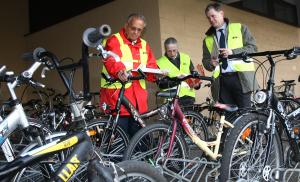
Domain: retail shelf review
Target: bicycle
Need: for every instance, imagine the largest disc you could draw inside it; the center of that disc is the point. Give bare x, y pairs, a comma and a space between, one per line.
158, 143
114, 113
254, 147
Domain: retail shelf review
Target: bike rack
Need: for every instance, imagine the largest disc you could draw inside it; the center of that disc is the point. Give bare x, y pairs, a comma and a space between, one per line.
193, 170
289, 174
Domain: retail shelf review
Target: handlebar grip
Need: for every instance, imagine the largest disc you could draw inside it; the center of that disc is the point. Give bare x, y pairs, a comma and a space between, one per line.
206, 78
107, 77
238, 56
297, 50
92, 36
141, 73
37, 53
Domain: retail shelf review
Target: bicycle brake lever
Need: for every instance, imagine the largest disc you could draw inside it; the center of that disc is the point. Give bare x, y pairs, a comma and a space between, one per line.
43, 73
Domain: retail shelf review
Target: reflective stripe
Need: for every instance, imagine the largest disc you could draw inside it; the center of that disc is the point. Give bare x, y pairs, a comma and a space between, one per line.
173, 71
209, 41
235, 40
128, 61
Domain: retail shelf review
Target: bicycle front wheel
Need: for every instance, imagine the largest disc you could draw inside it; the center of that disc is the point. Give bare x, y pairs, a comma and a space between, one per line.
245, 152
151, 144
138, 171
110, 144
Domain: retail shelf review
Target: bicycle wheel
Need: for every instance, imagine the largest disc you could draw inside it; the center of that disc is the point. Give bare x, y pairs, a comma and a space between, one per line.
111, 145
150, 144
289, 106
40, 172
138, 171
197, 123
19, 140
245, 148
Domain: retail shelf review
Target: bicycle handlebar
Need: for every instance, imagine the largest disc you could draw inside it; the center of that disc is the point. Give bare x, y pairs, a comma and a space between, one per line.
290, 54
193, 75
130, 77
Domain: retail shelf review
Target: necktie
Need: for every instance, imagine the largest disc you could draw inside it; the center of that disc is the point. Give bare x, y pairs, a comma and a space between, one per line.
223, 45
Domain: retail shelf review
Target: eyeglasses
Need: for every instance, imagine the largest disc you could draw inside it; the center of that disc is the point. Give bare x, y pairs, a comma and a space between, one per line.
135, 29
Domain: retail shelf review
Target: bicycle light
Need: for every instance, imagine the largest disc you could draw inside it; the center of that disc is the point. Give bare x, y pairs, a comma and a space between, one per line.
260, 97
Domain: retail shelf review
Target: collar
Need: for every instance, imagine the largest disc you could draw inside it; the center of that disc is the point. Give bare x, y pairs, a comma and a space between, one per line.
127, 41
177, 57
222, 27
212, 30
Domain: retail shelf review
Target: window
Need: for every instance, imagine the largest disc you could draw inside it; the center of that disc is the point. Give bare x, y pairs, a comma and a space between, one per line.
49, 12
282, 10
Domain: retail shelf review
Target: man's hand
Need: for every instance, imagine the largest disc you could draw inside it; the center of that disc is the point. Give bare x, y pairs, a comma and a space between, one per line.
123, 75
224, 52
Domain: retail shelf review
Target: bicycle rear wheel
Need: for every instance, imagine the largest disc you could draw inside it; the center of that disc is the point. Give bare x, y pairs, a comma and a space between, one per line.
150, 144
245, 151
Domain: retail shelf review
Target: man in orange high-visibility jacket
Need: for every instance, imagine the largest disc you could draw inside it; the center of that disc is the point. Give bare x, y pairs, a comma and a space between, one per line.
134, 52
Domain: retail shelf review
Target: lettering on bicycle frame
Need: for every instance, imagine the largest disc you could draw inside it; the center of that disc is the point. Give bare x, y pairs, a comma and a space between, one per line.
3, 130
68, 171
186, 126
136, 115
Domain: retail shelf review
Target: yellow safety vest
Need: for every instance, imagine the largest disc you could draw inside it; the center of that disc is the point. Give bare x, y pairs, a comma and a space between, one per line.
185, 61
235, 40
127, 60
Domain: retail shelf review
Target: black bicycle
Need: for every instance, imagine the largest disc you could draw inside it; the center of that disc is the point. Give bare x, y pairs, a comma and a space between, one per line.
254, 147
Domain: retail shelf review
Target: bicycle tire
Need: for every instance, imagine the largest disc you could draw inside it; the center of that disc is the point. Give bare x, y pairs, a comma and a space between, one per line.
19, 140
149, 137
118, 143
38, 172
238, 154
138, 171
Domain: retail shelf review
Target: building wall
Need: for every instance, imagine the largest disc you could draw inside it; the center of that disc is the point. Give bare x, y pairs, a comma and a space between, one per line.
186, 21
65, 38
183, 19
14, 25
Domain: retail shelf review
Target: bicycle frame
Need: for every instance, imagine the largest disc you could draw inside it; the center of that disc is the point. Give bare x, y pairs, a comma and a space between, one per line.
178, 116
81, 149
17, 118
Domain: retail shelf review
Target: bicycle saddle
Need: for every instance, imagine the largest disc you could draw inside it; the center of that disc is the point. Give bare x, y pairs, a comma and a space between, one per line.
167, 94
226, 107
90, 107
288, 81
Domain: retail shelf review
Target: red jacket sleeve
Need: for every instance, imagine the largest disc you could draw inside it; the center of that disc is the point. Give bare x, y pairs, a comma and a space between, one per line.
111, 65
151, 63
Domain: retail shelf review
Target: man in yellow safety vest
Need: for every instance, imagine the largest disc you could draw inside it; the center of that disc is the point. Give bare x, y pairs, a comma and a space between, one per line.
234, 79
175, 64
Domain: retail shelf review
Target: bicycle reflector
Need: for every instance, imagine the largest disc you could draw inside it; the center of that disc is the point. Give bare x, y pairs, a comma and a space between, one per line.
92, 132
246, 133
